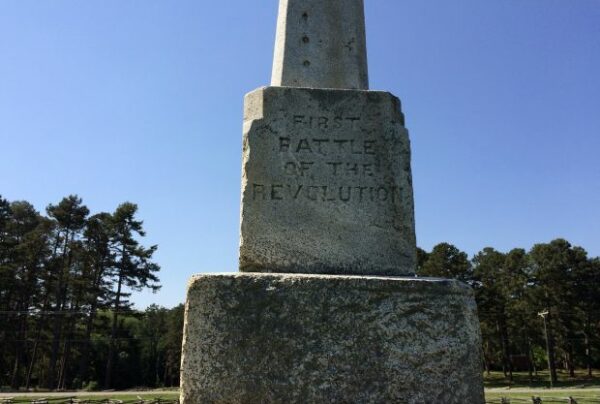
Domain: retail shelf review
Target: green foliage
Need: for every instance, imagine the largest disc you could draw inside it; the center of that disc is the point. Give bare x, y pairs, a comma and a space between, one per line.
512, 288
66, 320
133, 269
65, 280
91, 386
539, 357
129, 397
445, 261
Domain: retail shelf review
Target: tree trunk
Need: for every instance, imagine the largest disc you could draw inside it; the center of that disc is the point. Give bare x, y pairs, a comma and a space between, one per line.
166, 372
552, 356
62, 381
506, 362
570, 361
588, 346
113, 334
486, 363
588, 354
34, 352
64, 363
503, 361
15, 381
486, 358
38, 333
156, 366
41, 323
530, 364
31, 363
57, 324
84, 363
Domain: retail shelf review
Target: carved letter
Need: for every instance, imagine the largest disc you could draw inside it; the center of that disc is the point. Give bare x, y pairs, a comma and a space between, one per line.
345, 198
334, 166
303, 145
319, 143
304, 166
340, 143
325, 197
258, 190
323, 122
284, 144
298, 191
360, 192
275, 192
311, 196
352, 168
382, 194
337, 122
369, 147
353, 122
290, 168
353, 150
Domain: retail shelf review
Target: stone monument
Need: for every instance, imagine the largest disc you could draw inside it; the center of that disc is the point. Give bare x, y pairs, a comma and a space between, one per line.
326, 307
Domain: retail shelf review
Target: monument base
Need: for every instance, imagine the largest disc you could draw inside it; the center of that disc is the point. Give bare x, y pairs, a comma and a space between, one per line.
291, 338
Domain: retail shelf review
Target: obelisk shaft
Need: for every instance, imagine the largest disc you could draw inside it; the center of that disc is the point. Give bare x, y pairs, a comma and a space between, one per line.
321, 44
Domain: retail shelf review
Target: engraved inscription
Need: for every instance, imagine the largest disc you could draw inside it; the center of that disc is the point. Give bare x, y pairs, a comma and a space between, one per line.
325, 193
326, 146
329, 159
325, 122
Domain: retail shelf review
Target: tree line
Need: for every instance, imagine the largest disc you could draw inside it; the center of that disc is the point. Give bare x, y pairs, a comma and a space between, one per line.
537, 309
66, 320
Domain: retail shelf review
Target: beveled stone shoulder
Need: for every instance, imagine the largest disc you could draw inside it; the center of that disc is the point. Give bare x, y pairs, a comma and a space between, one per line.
326, 183
258, 101
381, 283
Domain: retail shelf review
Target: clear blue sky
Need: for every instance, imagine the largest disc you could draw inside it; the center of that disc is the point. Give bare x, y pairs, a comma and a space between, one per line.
123, 100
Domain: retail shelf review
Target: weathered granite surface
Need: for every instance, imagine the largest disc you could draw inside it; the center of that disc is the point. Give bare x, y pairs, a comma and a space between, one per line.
326, 183
327, 189
277, 338
321, 44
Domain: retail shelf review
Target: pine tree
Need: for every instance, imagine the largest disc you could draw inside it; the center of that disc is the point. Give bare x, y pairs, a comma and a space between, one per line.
99, 261
70, 218
447, 261
134, 270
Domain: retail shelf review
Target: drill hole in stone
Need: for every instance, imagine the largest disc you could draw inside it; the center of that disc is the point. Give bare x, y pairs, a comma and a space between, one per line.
305, 16
305, 39
306, 63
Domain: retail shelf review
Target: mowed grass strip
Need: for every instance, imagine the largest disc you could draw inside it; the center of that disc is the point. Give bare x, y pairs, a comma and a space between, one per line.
124, 396
581, 387
541, 380
497, 386
562, 394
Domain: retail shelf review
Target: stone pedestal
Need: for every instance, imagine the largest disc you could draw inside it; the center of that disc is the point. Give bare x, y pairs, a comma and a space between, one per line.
326, 183
292, 338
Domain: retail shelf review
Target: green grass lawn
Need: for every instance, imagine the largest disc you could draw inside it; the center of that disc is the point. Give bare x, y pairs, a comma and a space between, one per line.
120, 395
556, 394
582, 388
521, 379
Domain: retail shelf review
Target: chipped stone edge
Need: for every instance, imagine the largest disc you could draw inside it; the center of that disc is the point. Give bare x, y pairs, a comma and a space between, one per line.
451, 285
444, 287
